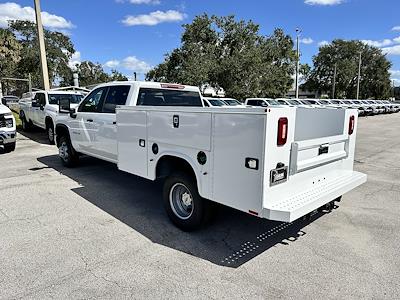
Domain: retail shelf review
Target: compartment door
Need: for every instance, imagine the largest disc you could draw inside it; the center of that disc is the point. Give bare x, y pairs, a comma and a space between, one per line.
132, 142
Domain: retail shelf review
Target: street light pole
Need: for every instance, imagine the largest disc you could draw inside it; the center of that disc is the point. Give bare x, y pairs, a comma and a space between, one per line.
334, 83
298, 31
42, 48
359, 75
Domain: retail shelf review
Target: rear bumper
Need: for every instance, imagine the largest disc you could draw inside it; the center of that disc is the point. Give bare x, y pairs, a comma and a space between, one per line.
7, 137
303, 202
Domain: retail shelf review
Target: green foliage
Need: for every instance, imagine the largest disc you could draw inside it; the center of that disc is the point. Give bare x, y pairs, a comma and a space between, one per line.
231, 54
19, 56
59, 49
10, 52
375, 76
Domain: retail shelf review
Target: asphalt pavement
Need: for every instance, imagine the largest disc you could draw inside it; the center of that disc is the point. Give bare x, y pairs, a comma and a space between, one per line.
96, 232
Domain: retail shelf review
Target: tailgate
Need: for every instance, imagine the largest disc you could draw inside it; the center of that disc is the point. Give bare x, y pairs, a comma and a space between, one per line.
319, 138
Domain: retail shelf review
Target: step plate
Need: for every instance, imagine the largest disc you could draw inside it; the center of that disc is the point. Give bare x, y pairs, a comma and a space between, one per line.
305, 202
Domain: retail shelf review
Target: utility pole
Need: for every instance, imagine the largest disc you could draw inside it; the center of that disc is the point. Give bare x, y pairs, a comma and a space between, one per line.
42, 48
359, 75
334, 83
298, 31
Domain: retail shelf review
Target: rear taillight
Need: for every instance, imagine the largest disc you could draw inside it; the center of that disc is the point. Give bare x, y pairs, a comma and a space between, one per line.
351, 125
282, 131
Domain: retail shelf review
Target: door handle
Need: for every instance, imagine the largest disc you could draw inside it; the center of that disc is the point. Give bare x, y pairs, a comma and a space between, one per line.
114, 122
89, 120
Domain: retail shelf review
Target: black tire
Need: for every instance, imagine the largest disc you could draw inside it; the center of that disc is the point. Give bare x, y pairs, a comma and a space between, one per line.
67, 153
50, 133
25, 124
183, 219
9, 147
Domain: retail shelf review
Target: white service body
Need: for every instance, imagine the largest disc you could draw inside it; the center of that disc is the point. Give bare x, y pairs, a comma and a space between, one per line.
312, 168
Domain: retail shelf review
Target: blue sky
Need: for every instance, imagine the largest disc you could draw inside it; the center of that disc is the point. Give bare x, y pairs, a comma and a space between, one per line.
133, 35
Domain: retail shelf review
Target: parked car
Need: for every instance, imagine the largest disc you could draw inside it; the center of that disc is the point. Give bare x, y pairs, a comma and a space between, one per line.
264, 102
232, 102
213, 102
8, 131
280, 164
9, 100
41, 111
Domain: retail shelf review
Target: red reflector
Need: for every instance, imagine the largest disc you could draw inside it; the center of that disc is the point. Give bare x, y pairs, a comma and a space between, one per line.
282, 131
253, 212
351, 125
172, 86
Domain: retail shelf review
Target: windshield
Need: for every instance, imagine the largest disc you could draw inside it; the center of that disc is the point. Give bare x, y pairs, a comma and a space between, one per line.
293, 102
283, 102
73, 98
215, 102
272, 102
336, 102
309, 102
324, 102
347, 102
232, 102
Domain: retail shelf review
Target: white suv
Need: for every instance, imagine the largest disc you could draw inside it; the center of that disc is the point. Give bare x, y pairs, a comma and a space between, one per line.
7, 129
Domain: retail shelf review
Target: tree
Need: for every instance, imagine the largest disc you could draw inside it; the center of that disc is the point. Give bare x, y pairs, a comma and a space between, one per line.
117, 76
222, 52
10, 52
91, 73
374, 79
59, 50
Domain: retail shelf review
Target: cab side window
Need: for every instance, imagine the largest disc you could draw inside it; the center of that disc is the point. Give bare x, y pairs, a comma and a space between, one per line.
116, 95
92, 102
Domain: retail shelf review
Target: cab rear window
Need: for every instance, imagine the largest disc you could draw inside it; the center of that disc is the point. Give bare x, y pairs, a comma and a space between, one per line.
164, 97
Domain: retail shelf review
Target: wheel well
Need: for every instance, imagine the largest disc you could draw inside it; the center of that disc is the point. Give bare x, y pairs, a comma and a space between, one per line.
168, 164
61, 130
49, 121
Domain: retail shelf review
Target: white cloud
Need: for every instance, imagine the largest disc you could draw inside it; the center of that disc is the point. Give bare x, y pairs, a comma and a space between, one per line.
154, 18
396, 28
394, 50
323, 43
382, 43
111, 64
306, 41
395, 73
397, 40
134, 64
75, 60
13, 11
323, 2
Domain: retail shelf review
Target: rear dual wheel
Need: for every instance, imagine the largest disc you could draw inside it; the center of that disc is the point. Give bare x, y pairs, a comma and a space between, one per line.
184, 206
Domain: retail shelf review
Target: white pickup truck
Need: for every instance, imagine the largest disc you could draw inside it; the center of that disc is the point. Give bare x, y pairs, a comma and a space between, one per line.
278, 163
8, 131
41, 111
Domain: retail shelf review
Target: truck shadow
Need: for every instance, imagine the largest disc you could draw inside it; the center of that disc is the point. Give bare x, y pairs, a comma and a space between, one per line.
231, 239
35, 134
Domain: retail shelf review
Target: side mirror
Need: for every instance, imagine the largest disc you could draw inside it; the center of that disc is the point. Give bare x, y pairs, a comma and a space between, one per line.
34, 103
72, 113
64, 106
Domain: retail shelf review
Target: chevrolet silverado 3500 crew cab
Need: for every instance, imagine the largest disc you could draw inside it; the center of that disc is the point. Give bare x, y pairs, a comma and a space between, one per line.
41, 111
7, 129
278, 163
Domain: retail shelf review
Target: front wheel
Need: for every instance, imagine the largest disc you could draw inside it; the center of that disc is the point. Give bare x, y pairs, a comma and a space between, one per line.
50, 133
184, 206
67, 153
25, 124
9, 147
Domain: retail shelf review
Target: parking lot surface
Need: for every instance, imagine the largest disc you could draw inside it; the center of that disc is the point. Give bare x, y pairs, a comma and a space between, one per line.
96, 232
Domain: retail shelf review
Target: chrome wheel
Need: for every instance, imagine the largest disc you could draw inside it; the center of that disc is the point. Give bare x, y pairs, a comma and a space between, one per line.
181, 201
63, 151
